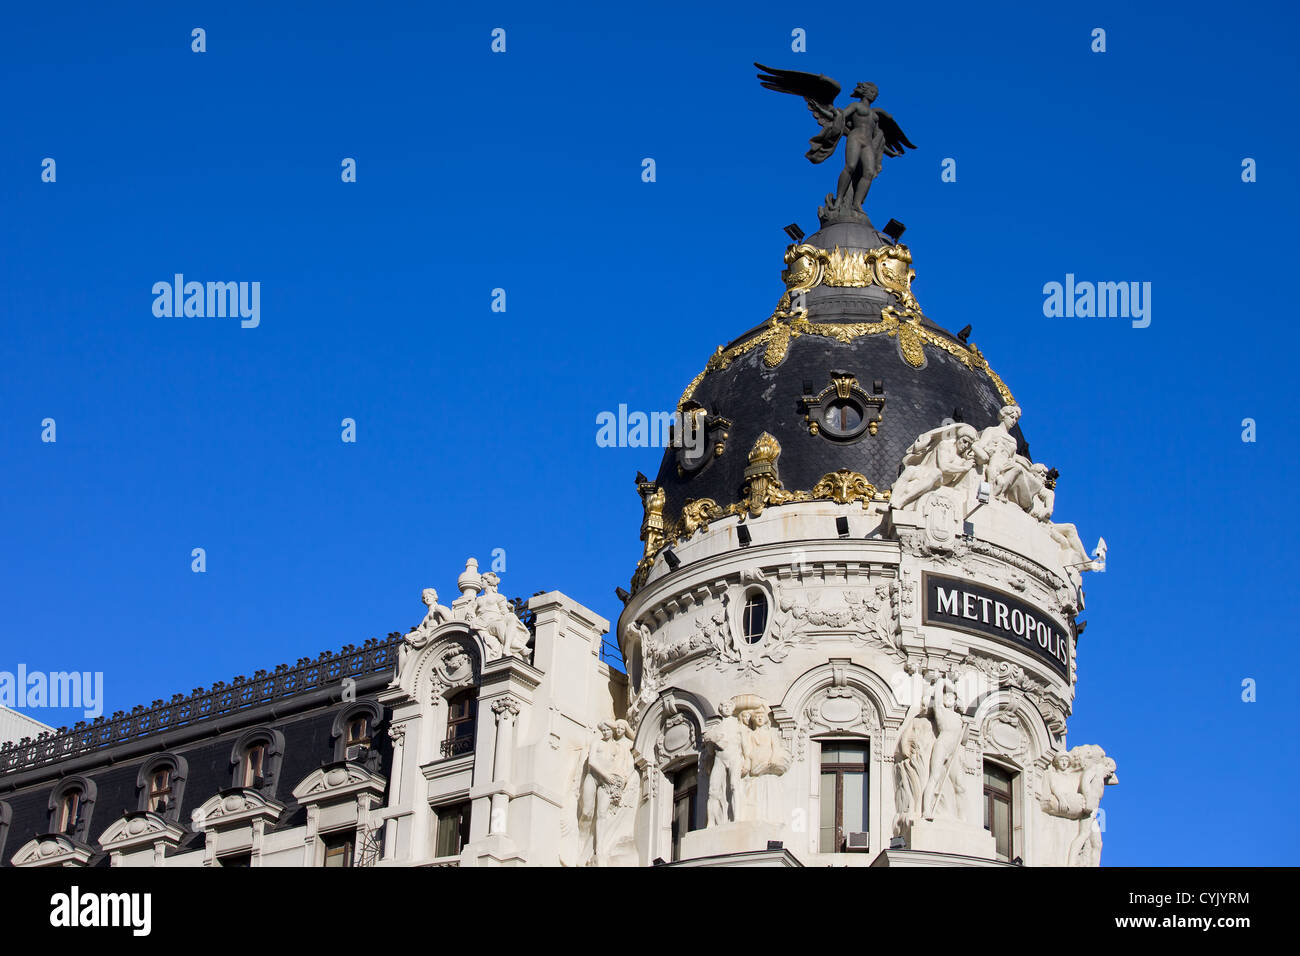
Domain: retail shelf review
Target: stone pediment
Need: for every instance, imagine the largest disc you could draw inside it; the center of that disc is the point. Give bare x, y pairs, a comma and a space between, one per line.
236, 807
342, 780
53, 849
140, 828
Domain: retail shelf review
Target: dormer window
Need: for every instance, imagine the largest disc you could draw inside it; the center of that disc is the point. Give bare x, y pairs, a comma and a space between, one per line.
160, 791
160, 785
358, 739
253, 769
71, 804
255, 760
69, 815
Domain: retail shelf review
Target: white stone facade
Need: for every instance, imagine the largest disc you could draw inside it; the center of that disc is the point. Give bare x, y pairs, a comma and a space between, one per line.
934, 643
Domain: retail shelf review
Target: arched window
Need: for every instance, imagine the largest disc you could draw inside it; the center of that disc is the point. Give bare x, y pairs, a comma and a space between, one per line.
71, 803
754, 620
255, 759
462, 717
354, 730
161, 784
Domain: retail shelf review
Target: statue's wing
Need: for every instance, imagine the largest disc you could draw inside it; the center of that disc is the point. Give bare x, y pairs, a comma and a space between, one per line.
819, 90
895, 138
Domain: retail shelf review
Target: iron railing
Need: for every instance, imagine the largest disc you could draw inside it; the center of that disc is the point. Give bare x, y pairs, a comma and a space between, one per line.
222, 699
457, 746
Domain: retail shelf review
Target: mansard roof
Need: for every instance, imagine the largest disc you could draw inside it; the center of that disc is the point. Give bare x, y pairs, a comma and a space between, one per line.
309, 676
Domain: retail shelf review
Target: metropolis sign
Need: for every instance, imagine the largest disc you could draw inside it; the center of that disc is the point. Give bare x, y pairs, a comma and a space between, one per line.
975, 609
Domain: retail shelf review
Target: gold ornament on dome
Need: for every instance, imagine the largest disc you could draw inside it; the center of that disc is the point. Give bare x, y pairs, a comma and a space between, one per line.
762, 489
808, 267
696, 516
652, 525
844, 486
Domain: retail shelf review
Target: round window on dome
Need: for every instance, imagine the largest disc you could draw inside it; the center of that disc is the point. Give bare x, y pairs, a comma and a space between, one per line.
754, 620
844, 418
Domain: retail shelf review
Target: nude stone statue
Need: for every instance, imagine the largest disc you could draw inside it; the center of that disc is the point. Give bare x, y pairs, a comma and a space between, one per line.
436, 615
1011, 476
941, 457
723, 747
949, 729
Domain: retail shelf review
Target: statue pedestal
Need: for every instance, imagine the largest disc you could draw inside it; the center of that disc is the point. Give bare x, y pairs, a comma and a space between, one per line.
730, 838
951, 836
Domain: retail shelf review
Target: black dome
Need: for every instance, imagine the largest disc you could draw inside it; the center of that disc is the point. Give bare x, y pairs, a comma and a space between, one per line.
764, 384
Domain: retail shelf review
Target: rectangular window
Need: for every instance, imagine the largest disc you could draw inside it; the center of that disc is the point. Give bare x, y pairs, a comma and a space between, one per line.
453, 829
254, 764
844, 804
69, 809
339, 848
999, 816
462, 715
236, 859
160, 791
686, 789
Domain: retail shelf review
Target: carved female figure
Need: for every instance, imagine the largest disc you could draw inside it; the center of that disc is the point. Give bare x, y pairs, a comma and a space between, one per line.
765, 761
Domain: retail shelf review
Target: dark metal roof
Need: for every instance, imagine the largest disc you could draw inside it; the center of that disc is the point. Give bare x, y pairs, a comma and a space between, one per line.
756, 398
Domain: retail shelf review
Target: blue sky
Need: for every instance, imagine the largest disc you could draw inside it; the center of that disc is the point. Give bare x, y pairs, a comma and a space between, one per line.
476, 429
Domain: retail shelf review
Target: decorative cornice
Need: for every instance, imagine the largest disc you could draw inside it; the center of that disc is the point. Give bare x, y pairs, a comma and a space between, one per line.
763, 489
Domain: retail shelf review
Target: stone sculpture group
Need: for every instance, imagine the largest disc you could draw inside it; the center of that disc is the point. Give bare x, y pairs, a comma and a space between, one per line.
489, 613
744, 758
956, 456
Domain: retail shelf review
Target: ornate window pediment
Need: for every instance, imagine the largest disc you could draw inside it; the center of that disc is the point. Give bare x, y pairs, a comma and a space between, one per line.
138, 829
237, 806
53, 849
341, 780
843, 411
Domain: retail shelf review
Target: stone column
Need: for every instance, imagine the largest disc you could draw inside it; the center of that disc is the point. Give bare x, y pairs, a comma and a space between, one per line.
396, 734
507, 710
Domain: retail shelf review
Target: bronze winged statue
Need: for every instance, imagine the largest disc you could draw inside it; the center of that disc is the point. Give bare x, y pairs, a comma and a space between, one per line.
869, 135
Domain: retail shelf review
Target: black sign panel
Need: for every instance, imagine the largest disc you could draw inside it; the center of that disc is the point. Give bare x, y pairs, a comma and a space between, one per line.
988, 612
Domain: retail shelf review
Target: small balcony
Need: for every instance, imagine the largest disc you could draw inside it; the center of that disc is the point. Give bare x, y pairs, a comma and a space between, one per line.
457, 746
